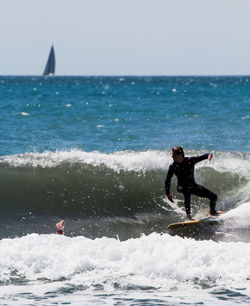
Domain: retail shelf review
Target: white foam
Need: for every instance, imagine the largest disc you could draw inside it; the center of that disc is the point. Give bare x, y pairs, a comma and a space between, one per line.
154, 260
23, 114
237, 163
125, 160
238, 217
174, 205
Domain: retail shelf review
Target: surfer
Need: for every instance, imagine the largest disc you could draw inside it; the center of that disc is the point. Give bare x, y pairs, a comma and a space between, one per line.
60, 227
183, 168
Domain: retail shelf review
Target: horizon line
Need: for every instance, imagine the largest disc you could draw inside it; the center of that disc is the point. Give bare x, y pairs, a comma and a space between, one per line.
125, 75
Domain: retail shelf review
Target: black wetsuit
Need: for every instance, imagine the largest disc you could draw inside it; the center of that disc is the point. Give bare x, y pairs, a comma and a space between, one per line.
186, 182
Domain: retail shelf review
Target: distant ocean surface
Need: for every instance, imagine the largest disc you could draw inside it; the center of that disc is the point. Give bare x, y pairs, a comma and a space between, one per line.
95, 151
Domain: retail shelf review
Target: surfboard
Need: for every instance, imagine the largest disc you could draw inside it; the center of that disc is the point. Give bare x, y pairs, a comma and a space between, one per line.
183, 224
189, 224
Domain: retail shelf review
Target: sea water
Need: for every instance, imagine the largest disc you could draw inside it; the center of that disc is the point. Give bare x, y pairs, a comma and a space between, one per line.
95, 151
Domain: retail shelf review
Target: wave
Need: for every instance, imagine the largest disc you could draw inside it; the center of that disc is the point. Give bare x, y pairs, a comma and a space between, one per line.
121, 183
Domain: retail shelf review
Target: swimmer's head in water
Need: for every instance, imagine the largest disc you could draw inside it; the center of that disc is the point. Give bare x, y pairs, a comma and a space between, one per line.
60, 227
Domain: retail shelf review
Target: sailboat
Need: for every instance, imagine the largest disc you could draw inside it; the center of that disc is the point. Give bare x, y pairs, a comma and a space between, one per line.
51, 63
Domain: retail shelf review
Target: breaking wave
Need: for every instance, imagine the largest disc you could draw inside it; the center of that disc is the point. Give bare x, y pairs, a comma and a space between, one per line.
120, 183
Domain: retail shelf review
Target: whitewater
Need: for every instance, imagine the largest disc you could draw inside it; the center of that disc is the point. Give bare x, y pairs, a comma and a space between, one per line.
163, 269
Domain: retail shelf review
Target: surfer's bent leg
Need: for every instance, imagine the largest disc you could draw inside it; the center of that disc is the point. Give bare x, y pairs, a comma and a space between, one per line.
187, 196
205, 193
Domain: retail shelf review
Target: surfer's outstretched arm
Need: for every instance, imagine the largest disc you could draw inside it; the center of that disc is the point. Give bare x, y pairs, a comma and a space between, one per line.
197, 159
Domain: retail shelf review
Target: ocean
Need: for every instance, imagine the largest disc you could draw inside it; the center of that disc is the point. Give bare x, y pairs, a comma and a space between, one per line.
95, 151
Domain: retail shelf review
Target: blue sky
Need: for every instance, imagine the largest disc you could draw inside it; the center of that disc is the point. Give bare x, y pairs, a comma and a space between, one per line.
132, 37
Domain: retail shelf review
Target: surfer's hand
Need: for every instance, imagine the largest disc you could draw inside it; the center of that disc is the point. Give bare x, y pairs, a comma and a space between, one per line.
170, 197
210, 156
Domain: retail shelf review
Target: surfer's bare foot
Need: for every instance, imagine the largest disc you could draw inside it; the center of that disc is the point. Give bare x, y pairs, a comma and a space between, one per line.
189, 217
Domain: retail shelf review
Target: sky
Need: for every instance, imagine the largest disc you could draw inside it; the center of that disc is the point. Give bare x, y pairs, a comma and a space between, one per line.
126, 37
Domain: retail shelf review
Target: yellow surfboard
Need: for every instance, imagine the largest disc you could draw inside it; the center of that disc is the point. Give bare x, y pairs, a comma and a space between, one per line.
183, 224
188, 224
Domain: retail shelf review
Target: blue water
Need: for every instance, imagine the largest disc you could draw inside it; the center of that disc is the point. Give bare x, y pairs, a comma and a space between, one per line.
110, 114
94, 151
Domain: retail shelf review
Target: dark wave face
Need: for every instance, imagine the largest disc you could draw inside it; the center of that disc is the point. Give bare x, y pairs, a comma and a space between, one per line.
80, 189
109, 193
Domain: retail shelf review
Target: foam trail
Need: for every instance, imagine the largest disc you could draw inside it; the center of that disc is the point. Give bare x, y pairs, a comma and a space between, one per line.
174, 206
